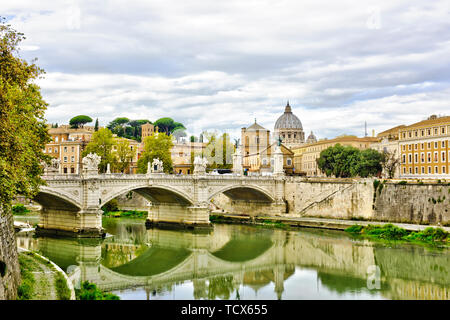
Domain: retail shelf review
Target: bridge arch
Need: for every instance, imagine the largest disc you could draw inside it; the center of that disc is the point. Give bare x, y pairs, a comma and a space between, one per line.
244, 192
154, 194
50, 198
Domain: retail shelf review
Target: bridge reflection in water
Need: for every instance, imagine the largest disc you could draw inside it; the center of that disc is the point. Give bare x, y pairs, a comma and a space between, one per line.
235, 262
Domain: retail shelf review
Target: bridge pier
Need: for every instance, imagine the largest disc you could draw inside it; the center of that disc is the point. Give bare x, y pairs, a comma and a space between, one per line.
178, 216
82, 224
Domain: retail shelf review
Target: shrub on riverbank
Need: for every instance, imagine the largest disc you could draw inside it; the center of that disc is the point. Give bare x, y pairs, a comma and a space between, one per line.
19, 209
392, 232
126, 214
89, 291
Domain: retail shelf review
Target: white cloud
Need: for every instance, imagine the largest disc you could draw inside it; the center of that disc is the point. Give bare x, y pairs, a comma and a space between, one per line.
222, 65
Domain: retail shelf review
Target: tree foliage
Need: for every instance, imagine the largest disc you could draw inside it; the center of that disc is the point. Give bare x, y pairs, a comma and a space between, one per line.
102, 144
126, 128
123, 155
79, 121
168, 126
346, 161
157, 145
23, 131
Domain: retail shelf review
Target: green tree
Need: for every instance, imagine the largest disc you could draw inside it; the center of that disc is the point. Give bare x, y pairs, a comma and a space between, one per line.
338, 160
157, 145
124, 155
96, 125
346, 161
102, 144
79, 121
118, 126
368, 164
167, 125
194, 139
23, 131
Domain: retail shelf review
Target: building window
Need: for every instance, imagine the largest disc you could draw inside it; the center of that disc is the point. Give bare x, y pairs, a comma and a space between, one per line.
410, 170
404, 158
417, 170
435, 131
65, 170
443, 144
428, 157
289, 162
410, 158
421, 146
404, 170
65, 159
429, 170
73, 149
436, 170
72, 170
443, 130
72, 158
443, 169
416, 158
56, 150
423, 133
65, 149
422, 157
56, 139
423, 169
429, 145
435, 156
435, 145
443, 156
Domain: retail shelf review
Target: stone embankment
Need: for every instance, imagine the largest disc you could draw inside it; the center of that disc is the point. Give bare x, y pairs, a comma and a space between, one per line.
9, 264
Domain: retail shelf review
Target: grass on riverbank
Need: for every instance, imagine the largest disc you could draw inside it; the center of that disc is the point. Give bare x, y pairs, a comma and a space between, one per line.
392, 232
126, 214
89, 291
258, 222
26, 288
37, 275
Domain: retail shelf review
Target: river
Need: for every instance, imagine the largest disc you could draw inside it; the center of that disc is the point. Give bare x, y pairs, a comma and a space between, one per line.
247, 262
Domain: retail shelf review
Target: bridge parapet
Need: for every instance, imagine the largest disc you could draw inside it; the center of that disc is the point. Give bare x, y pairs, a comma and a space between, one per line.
182, 199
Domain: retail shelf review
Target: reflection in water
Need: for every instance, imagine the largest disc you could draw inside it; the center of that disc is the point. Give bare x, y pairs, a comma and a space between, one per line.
242, 262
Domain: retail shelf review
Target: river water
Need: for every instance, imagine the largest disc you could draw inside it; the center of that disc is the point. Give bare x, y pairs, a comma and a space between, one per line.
247, 262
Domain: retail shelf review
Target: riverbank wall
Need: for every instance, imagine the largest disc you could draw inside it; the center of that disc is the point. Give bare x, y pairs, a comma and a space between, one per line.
363, 199
9, 263
411, 201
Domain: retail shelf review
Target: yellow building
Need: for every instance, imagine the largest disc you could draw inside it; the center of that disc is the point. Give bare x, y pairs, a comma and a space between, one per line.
307, 155
182, 155
424, 148
147, 130
263, 161
67, 145
254, 139
389, 143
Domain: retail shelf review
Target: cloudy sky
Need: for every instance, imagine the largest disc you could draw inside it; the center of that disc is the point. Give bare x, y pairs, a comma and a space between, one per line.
220, 64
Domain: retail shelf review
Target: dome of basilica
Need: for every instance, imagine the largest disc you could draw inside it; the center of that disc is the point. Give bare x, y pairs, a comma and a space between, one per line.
288, 120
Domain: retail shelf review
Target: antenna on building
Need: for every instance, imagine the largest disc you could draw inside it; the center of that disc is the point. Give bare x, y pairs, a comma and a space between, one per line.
365, 128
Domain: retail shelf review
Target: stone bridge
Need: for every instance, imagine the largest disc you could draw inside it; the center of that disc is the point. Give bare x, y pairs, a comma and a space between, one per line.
72, 203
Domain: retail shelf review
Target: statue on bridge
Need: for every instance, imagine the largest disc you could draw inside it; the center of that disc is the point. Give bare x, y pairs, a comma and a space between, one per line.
156, 166
90, 164
200, 164
52, 168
